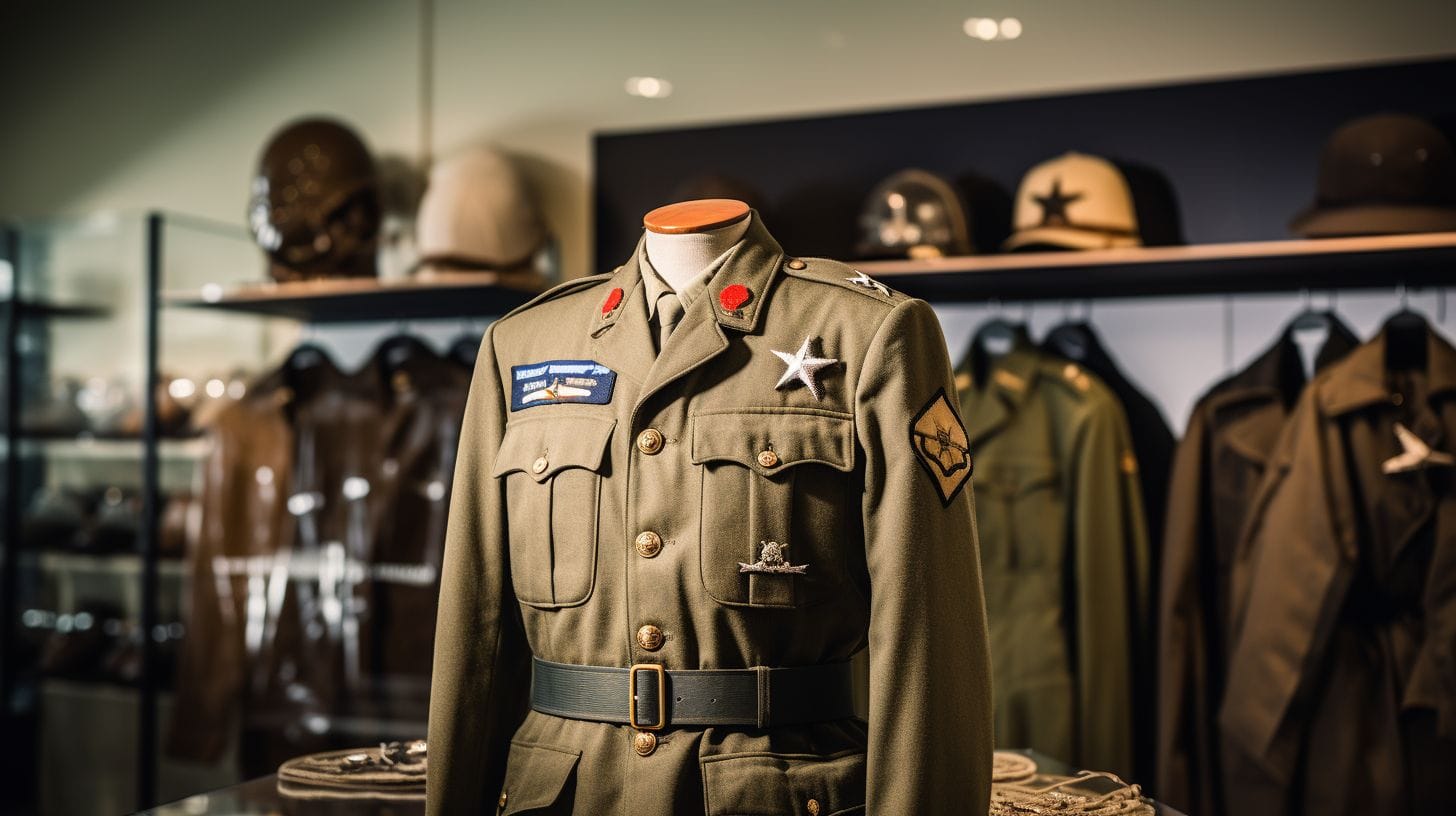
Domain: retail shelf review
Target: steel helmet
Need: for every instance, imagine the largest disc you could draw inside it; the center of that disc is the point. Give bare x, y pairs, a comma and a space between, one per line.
315, 202
478, 214
913, 213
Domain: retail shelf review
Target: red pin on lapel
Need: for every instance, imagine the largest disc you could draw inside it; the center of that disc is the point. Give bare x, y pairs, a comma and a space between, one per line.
614, 297
733, 296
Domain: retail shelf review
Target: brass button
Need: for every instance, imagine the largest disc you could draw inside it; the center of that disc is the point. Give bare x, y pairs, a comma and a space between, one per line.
645, 742
1397, 399
649, 441
797, 264
813, 807
767, 458
539, 466
649, 637
649, 544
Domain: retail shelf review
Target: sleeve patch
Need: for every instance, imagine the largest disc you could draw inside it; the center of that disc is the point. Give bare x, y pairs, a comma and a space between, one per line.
939, 440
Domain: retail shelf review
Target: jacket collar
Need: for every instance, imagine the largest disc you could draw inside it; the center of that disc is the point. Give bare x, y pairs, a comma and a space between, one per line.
754, 263
1009, 380
1278, 373
1361, 380
624, 340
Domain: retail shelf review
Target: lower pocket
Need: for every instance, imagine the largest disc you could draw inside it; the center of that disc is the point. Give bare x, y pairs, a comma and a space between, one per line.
539, 779
766, 784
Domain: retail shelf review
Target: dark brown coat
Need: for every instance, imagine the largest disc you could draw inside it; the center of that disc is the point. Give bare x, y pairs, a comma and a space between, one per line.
1216, 474
1341, 693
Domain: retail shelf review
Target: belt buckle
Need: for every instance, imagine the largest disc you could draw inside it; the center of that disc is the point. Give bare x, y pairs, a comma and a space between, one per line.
657, 669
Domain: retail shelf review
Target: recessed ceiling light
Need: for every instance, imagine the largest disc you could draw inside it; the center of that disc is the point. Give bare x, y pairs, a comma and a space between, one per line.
649, 87
987, 29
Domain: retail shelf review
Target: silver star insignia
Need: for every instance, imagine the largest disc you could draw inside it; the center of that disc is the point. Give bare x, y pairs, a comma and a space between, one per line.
869, 283
803, 368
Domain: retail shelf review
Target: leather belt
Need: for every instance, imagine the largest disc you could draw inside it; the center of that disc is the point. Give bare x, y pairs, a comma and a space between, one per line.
649, 697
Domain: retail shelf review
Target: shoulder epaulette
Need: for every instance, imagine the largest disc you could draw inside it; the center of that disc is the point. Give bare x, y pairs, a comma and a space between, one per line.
840, 274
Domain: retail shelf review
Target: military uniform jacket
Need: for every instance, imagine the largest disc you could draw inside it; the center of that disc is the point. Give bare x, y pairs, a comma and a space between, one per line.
868, 486
1341, 692
1219, 466
1064, 551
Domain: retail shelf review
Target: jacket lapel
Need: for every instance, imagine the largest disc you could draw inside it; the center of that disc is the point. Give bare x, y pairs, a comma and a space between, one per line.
993, 404
621, 338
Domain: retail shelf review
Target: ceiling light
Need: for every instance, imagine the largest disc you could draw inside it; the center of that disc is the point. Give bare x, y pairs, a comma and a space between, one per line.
649, 87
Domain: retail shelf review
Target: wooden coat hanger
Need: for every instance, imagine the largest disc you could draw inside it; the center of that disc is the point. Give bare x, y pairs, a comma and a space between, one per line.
703, 215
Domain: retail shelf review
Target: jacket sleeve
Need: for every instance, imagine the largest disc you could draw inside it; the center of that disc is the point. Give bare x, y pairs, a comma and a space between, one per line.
1110, 554
1186, 746
930, 728
481, 673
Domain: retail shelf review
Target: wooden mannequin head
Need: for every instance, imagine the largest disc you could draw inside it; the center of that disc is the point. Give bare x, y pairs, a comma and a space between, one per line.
688, 217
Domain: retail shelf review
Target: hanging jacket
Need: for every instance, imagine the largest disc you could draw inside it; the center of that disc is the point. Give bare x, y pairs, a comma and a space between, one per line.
1341, 693
1217, 470
1064, 553
313, 580
1152, 445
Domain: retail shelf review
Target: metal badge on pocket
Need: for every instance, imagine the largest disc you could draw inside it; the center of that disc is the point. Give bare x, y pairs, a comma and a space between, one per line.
771, 560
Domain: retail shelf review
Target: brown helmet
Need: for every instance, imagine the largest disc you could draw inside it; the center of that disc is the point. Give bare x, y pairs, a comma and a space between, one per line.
315, 202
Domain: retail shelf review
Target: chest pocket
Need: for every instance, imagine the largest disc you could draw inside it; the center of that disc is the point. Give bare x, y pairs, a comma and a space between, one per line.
553, 467
1021, 513
780, 476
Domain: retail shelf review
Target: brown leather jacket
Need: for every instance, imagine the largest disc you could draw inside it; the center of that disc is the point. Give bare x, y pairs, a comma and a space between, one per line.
323, 508
1341, 693
1216, 473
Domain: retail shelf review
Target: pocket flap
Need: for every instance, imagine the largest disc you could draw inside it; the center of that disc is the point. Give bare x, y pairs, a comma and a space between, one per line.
542, 446
794, 435
760, 784
535, 775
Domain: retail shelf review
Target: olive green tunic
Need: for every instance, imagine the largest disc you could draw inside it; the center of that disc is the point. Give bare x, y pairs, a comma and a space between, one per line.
868, 485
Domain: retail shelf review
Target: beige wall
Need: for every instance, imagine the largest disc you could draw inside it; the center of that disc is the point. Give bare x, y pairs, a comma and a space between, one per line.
165, 104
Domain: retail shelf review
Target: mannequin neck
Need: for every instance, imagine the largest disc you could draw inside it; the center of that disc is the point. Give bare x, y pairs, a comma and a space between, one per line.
679, 257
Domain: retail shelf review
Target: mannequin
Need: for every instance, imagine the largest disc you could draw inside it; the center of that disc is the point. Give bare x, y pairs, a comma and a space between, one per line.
683, 239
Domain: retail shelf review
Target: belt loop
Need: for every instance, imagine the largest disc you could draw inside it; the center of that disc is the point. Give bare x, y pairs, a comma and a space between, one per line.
765, 702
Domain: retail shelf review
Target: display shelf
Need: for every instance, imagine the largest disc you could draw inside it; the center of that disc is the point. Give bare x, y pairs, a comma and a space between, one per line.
108, 449
438, 295
38, 308
122, 563
1264, 266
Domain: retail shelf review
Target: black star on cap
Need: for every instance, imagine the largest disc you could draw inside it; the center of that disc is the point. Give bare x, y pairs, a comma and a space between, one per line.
1054, 205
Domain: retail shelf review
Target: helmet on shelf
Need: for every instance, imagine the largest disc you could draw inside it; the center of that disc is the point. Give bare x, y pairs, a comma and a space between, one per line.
478, 214
315, 206
914, 214
1381, 175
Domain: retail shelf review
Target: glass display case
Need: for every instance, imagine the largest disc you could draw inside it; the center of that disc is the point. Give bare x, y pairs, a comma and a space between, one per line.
225, 504
101, 472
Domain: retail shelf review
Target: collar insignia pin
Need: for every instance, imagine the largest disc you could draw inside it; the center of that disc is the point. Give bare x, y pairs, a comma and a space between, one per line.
867, 282
614, 298
733, 296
